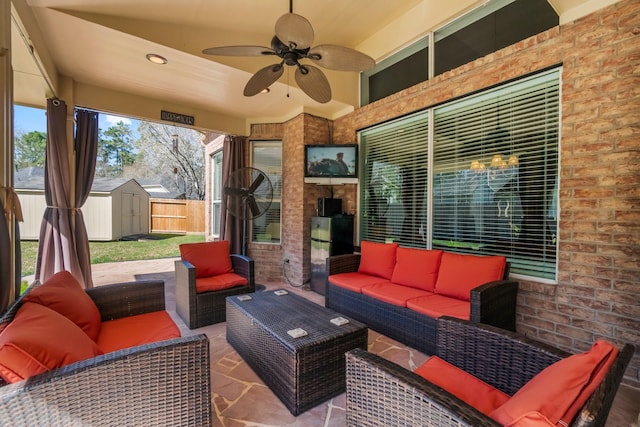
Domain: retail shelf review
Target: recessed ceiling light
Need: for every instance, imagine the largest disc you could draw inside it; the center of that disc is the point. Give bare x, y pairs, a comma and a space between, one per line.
156, 59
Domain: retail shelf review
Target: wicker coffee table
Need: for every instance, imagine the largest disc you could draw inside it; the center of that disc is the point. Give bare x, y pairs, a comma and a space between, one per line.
303, 371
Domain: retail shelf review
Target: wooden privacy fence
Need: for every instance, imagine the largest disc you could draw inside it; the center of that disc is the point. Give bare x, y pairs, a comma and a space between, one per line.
176, 216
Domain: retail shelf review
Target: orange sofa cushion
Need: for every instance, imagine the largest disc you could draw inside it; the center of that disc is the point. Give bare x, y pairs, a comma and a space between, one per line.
439, 305
219, 282
40, 339
377, 259
461, 384
64, 294
417, 268
209, 258
392, 293
136, 330
557, 392
355, 281
459, 274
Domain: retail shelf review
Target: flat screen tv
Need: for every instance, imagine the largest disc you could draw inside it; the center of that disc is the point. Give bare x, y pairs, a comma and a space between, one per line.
331, 163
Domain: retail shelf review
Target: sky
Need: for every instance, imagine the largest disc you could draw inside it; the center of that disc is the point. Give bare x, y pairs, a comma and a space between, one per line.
28, 119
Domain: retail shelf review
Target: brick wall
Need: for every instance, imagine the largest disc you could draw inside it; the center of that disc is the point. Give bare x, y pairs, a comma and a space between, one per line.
268, 257
598, 289
298, 199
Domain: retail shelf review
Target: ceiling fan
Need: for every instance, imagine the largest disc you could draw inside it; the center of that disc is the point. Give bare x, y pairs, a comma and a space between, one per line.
292, 43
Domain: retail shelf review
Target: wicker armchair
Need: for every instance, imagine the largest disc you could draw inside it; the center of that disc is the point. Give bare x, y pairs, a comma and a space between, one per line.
199, 309
165, 383
381, 393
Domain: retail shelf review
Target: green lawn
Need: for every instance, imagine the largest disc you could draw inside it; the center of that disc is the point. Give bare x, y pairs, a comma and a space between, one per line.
153, 247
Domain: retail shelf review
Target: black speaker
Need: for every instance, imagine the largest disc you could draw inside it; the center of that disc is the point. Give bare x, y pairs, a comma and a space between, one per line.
329, 207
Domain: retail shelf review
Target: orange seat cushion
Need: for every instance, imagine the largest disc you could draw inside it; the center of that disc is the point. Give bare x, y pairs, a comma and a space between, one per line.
355, 281
439, 305
459, 273
377, 259
40, 339
64, 294
463, 385
557, 392
392, 293
219, 282
136, 330
209, 258
417, 268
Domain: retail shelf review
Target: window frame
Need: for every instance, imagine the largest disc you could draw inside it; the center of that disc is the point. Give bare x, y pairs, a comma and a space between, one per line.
546, 148
275, 176
216, 192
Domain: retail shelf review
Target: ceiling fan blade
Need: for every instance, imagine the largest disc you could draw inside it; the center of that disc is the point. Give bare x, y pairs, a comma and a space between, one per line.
256, 183
294, 29
239, 51
340, 58
314, 83
263, 79
255, 209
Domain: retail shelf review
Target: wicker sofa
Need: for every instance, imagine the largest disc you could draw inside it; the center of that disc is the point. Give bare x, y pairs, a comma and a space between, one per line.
382, 393
158, 383
388, 294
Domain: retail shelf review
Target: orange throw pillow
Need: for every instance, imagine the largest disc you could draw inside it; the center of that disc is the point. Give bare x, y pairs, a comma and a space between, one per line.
554, 391
40, 339
417, 268
459, 273
377, 259
209, 258
64, 294
462, 385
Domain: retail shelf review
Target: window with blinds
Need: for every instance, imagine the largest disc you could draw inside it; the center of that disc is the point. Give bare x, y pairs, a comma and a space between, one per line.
267, 157
216, 192
492, 186
393, 187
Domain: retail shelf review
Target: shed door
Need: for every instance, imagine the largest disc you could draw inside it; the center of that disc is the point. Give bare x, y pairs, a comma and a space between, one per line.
131, 218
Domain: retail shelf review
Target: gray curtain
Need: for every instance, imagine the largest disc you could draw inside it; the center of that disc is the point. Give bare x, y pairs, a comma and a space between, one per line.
60, 246
9, 286
233, 152
86, 147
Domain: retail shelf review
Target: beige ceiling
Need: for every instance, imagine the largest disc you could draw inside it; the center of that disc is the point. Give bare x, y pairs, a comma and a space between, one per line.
102, 44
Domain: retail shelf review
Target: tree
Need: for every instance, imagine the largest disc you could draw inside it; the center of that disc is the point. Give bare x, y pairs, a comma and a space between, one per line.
172, 155
115, 150
30, 149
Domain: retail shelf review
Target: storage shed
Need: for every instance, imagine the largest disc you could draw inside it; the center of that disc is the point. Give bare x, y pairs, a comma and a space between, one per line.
116, 208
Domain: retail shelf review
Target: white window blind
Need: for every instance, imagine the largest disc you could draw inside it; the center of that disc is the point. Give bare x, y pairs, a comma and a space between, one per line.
267, 157
393, 189
493, 185
495, 169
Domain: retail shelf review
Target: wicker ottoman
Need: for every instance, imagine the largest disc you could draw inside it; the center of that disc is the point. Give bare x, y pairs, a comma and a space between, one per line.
303, 371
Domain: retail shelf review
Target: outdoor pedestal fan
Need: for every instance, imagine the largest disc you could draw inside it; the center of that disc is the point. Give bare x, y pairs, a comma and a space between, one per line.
249, 194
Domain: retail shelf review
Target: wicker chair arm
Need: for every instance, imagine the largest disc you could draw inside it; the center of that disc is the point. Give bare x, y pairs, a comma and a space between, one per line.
128, 299
494, 303
244, 266
504, 359
381, 393
342, 263
159, 384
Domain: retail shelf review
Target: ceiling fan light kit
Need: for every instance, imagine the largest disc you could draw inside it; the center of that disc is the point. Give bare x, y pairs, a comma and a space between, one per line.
292, 44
